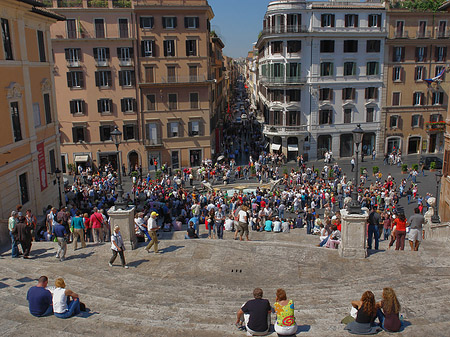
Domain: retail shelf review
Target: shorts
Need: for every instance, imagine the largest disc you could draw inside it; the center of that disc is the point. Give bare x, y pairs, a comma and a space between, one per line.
242, 227
415, 235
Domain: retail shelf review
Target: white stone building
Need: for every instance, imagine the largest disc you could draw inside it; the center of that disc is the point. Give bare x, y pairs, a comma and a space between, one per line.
320, 74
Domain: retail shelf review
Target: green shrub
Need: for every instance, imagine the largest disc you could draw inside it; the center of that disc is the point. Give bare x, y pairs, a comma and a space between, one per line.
432, 165
135, 174
158, 174
253, 169
404, 167
361, 170
415, 166
375, 169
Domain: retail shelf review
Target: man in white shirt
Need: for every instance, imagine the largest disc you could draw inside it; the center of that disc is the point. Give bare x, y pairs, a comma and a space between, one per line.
152, 226
242, 224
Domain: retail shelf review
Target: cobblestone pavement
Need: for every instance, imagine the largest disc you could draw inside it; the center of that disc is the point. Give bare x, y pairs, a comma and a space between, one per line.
195, 286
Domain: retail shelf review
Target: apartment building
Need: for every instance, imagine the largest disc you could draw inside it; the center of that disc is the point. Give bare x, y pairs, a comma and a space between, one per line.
320, 74
416, 50
29, 143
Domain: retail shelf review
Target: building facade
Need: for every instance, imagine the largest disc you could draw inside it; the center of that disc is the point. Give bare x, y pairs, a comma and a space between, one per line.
29, 142
320, 74
416, 50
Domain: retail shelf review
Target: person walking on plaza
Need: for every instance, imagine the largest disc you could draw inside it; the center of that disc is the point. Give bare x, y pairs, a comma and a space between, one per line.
12, 222
96, 223
40, 299
373, 230
242, 224
400, 231
153, 227
24, 236
78, 230
31, 222
352, 162
415, 235
60, 232
117, 247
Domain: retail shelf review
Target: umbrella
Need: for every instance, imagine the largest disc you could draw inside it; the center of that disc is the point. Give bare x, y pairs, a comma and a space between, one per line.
220, 158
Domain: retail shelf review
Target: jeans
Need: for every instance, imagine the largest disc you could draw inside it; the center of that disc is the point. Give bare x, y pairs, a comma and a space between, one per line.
386, 233
324, 241
14, 246
309, 226
219, 228
74, 309
373, 231
409, 198
211, 228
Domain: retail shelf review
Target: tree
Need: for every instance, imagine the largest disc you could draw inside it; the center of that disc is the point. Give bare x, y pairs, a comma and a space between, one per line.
418, 5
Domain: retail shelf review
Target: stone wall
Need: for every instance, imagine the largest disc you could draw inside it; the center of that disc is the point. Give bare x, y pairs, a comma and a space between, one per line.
4, 234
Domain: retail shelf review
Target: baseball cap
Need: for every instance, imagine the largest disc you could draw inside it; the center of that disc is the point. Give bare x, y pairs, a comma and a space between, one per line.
154, 214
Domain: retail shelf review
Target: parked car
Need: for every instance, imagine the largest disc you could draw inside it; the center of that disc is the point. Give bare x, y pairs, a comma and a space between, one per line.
427, 160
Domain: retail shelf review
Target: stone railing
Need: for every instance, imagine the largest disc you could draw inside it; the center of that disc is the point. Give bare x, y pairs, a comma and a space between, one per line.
5, 239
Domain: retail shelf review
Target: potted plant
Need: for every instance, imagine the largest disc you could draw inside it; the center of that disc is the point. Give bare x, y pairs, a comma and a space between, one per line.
158, 174
432, 166
404, 168
375, 170
415, 167
253, 170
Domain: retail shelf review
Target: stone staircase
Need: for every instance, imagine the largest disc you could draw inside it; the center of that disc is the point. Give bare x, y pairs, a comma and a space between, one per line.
196, 286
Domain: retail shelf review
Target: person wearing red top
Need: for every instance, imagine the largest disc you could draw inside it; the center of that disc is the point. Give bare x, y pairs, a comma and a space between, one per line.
96, 221
263, 203
400, 231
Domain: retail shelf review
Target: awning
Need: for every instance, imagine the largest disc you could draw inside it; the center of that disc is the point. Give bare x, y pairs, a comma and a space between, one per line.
81, 159
275, 147
293, 147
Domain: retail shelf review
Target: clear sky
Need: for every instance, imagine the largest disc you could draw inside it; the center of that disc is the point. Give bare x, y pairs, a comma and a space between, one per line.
238, 23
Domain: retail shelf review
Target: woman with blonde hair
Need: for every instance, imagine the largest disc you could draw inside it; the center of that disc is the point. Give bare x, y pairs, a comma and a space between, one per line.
366, 314
62, 307
388, 310
284, 308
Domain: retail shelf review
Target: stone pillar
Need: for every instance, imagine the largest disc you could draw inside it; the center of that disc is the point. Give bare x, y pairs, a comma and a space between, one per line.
125, 220
353, 231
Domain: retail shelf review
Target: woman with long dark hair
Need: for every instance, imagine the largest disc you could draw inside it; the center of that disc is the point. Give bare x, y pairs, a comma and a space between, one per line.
367, 312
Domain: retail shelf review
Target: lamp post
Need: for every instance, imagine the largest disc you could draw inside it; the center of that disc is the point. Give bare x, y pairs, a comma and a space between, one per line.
116, 136
435, 218
354, 206
58, 177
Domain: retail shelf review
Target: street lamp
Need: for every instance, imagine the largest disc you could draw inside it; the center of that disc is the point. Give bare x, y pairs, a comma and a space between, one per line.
354, 207
58, 177
435, 218
116, 136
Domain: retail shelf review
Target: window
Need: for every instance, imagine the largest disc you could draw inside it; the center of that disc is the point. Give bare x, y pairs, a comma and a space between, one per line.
171, 74
415, 121
374, 20
173, 129
191, 22
146, 22
276, 47
99, 28
47, 109
395, 98
73, 56
103, 79
15, 117
348, 93
193, 99
123, 28
397, 74
105, 132
293, 71
327, 46
418, 98
277, 70
350, 46
173, 101
349, 68
277, 117
129, 131
399, 29
440, 54
398, 54
148, 48
421, 54
76, 106
294, 22
193, 74
347, 116
78, 134
326, 69
169, 22
442, 32
104, 105
438, 70
126, 78
169, 48
191, 47
394, 121
373, 46
294, 46
293, 95
101, 55
128, 105
194, 128
23, 186
370, 115
435, 118
75, 79
351, 20
327, 20
41, 45
149, 77
325, 94
294, 118
438, 98
36, 115
419, 73
71, 27
125, 54
371, 93
151, 102
421, 33
325, 116
52, 160
6, 36
175, 159
372, 68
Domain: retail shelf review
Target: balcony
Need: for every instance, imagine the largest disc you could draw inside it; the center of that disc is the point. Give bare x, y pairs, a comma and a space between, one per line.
153, 142
443, 34
282, 80
423, 34
122, 3
279, 130
73, 63
401, 35
283, 30
183, 79
102, 63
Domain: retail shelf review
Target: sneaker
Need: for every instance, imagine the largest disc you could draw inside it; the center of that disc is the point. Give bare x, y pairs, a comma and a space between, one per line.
126, 267
110, 264
62, 259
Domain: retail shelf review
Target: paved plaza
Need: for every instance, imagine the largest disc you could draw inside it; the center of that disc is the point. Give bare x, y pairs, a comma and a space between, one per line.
196, 286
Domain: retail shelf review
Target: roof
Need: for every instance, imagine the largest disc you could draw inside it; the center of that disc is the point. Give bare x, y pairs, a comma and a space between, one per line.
40, 8
444, 6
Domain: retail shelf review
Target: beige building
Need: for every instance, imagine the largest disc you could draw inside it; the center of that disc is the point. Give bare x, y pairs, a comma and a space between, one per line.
414, 111
29, 143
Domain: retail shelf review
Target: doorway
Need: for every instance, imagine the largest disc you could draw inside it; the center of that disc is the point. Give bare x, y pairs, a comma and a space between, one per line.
413, 145
133, 160
195, 157
346, 145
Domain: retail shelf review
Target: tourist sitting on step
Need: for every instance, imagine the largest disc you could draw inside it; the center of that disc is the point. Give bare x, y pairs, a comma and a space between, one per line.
191, 232
388, 311
63, 307
229, 223
255, 315
335, 238
268, 224
365, 317
284, 308
40, 299
277, 225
